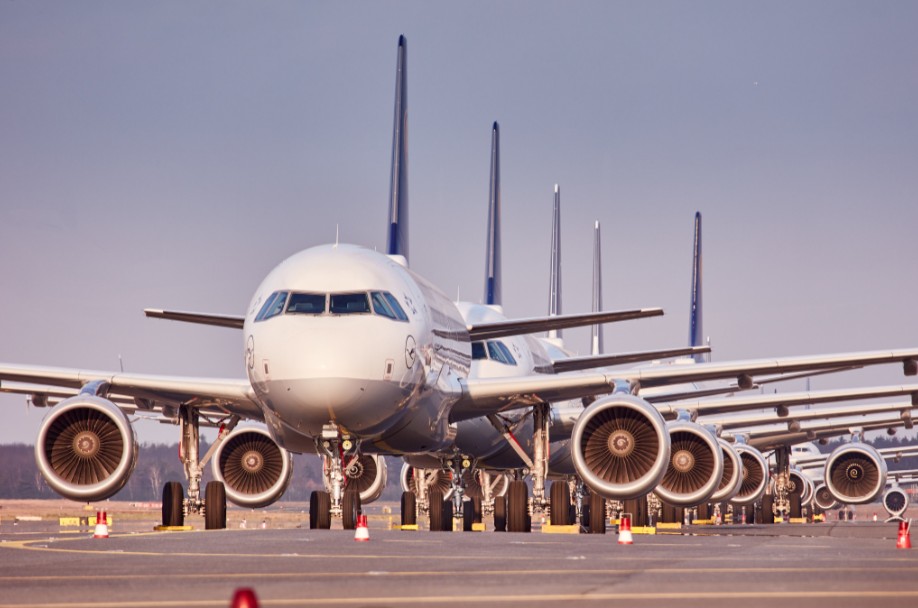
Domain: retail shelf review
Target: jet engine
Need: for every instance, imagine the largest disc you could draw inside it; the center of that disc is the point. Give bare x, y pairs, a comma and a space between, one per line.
823, 499
368, 474
732, 479
441, 479
86, 448
755, 475
620, 447
801, 485
696, 465
895, 500
255, 470
855, 474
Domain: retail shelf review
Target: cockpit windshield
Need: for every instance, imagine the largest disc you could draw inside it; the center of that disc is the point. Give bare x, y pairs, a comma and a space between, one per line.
380, 303
495, 350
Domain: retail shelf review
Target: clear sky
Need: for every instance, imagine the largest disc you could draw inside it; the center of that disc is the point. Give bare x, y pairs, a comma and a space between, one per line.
169, 154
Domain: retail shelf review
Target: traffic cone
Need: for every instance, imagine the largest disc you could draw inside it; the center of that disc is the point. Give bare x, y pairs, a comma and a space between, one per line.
905, 540
362, 532
624, 530
244, 598
101, 530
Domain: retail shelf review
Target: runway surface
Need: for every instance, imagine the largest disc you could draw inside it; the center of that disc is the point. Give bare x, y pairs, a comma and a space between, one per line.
834, 565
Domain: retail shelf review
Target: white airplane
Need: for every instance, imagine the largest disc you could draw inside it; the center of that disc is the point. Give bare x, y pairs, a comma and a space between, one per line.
349, 352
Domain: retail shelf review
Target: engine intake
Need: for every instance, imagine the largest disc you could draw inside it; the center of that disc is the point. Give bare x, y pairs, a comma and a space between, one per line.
621, 447
755, 475
441, 479
802, 486
86, 448
895, 500
696, 466
732, 479
823, 499
855, 474
255, 470
368, 474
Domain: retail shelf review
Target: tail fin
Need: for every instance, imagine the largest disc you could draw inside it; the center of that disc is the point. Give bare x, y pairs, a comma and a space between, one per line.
398, 188
554, 279
596, 347
492, 294
696, 333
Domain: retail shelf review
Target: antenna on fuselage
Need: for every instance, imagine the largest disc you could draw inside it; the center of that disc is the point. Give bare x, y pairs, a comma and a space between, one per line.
492, 290
696, 334
596, 346
554, 279
398, 186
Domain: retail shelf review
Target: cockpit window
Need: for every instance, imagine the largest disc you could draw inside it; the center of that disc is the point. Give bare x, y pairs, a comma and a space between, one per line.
478, 350
273, 306
385, 305
497, 351
348, 303
306, 303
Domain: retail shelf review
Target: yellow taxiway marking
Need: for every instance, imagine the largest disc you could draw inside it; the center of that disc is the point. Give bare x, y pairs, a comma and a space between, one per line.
469, 599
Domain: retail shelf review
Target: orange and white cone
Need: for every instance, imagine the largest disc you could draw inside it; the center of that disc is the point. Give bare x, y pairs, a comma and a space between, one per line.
905, 539
624, 530
101, 530
362, 532
244, 598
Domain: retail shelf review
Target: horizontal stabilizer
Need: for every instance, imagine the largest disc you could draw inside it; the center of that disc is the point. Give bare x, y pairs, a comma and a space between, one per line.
196, 317
516, 327
593, 362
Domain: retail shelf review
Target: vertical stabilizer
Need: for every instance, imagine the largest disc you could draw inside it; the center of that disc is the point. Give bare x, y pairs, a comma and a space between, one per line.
596, 347
492, 290
554, 279
398, 188
696, 333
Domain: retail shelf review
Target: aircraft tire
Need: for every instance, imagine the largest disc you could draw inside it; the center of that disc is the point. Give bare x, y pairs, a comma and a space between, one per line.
319, 510
560, 503
350, 509
173, 507
597, 514
768, 514
409, 509
468, 515
500, 514
435, 499
517, 506
215, 506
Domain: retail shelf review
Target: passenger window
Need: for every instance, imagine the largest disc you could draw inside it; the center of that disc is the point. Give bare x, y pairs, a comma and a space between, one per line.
478, 351
306, 303
274, 305
348, 303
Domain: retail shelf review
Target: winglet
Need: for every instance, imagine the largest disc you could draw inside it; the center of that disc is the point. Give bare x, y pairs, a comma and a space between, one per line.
554, 280
696, 334
398, 188
492, 294
596, 347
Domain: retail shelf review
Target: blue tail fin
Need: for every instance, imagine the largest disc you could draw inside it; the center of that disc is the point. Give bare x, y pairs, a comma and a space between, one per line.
492, 291
554, 279
696, 333
596, 346
398, 188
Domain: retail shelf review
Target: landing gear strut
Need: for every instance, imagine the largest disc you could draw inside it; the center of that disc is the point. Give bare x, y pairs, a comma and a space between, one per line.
339, 453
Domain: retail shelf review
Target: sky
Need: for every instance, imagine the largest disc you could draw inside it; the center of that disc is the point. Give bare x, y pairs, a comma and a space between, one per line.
169, 154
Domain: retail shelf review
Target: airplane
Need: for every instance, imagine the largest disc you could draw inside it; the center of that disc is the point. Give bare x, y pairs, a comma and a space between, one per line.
349, 352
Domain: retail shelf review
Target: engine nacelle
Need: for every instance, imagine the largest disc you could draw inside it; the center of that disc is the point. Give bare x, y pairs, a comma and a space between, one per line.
895, 500
86, 448
253, 468
754, 475
855, 474
732, 479
368, 474
620, 446
801, 485
438, 478
696, 465
823, 499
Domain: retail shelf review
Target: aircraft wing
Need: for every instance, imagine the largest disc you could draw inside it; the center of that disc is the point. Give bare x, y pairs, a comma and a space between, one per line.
795, 417
227, 395
196, 317
772, 438
745, 370
516, 327
596, 361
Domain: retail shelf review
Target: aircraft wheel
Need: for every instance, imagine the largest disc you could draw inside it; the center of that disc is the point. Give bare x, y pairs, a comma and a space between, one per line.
350, 509
795, 506
173, 504
768, 514
215, 506
468, 515
597, 514
435, 499
500, 514
476, 504
447, 515
409, 509
517, 506
319, 510
560, 503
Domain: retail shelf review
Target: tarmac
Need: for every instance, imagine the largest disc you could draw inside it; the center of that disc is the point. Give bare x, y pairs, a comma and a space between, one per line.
836, 564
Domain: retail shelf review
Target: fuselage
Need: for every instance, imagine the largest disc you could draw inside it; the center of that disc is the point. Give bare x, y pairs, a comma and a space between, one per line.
340, 334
